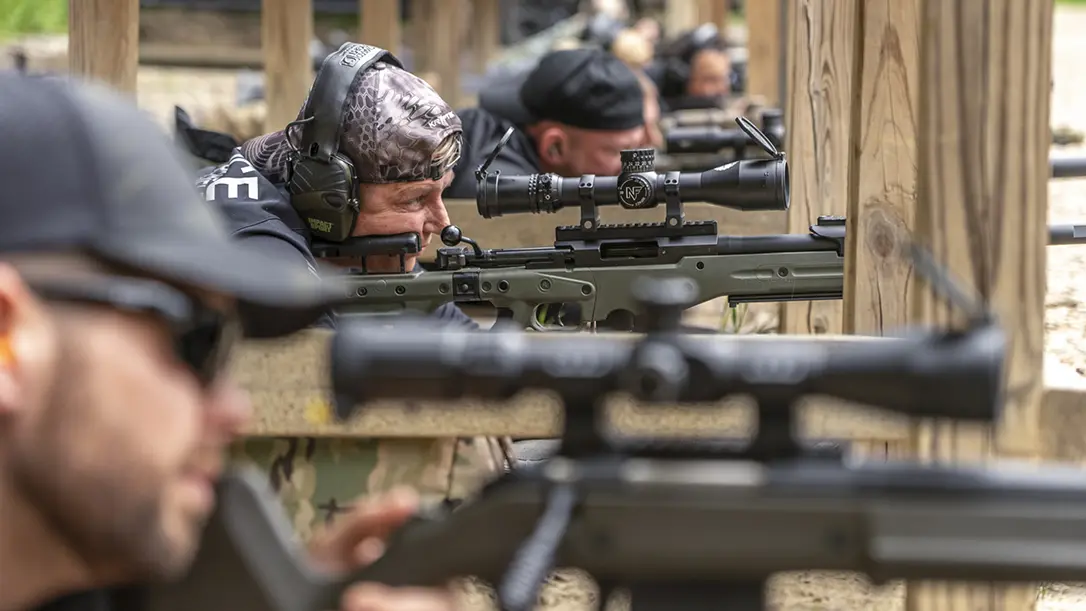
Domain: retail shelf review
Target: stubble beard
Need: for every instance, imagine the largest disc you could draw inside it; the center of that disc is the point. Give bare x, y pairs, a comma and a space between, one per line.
106, 518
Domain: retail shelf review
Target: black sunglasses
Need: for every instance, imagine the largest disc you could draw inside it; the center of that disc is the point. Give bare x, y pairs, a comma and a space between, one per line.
203, 337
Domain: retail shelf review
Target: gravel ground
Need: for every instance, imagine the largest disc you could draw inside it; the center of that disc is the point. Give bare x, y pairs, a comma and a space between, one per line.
202, 90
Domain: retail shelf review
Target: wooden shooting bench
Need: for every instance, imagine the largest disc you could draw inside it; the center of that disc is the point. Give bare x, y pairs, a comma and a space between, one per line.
920, 119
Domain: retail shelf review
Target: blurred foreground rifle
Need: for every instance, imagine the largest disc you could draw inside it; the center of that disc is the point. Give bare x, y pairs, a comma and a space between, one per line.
681, 524
592, 266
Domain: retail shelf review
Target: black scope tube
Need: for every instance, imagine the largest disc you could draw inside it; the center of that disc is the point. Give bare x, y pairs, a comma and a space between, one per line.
748, 185
1067, 167
948, 376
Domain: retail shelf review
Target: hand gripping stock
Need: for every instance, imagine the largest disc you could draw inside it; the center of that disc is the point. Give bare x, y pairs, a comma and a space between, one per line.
681, 525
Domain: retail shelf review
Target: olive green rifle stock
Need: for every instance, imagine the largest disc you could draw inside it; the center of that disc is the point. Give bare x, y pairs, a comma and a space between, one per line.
598, 276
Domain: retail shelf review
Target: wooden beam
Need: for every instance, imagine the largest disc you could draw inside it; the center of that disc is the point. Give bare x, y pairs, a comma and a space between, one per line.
286, 31
680, 16
766, 50
103, 41
426, 64
819, 110
446, 48
485, 32
982, 150
882, 207
379, 24
716, 12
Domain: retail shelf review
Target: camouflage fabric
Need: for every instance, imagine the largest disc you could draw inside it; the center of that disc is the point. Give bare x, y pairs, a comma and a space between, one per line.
393, 123
317, 478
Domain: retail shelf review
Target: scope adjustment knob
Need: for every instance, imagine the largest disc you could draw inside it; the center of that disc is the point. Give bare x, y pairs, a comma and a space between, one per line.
451, 235
635, 161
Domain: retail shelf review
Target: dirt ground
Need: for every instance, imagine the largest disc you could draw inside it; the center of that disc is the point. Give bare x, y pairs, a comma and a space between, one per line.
201, 90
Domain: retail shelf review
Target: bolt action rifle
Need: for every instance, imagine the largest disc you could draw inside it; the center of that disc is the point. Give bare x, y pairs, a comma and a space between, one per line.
681, 524
691, 148
592, 267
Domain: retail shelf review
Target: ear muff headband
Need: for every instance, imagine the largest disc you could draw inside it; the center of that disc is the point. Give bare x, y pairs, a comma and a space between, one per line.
319, 139
322, 182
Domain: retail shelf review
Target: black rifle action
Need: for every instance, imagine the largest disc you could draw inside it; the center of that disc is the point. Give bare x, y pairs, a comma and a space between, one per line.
695, 147
682, 524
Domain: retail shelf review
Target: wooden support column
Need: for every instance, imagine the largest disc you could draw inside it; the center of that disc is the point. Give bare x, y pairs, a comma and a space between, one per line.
680, 16
447, 52
485, 32
379, 24
716, 12
821, 58
426, 55
765, 47
882, 207
286, 30
982, 150
103, 41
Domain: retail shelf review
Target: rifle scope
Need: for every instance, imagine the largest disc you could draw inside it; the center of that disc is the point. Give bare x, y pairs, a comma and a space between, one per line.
749, 185
693, 139
946, 375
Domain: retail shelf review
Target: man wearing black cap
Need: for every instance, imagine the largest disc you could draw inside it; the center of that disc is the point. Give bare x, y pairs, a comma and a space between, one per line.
118, 297
574, 113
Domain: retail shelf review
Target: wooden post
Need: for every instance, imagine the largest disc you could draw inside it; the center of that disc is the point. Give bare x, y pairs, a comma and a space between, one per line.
286, 30
379, 24
447, 53
819, 114
486, 31
765, 48
422, 43
103, 41
982, 150
882, 207
716, 12
680, 16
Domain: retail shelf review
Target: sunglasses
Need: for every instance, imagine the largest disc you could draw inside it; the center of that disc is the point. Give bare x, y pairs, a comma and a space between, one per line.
203, 337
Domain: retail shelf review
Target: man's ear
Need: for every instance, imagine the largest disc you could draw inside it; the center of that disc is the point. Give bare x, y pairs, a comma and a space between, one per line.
23, 339
553, 145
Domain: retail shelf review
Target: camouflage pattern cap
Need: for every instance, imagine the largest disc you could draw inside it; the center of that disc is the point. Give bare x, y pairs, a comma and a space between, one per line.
393, 124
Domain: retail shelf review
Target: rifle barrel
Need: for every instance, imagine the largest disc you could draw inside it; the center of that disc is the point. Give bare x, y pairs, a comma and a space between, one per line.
1067, 167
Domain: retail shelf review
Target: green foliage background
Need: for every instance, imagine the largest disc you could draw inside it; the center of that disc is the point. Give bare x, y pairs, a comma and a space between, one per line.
19, 17
33, 17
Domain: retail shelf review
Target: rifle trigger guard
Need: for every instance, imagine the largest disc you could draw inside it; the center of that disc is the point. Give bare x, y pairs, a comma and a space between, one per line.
674, 209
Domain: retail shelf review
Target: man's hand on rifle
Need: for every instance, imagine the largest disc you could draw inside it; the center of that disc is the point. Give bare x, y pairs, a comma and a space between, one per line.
357, 538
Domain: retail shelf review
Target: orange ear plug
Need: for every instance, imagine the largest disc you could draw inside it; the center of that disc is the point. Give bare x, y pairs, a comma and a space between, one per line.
7, 355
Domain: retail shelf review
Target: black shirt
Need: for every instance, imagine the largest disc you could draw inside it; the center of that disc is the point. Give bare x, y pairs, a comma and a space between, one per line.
119, 599
482, 131
259, 212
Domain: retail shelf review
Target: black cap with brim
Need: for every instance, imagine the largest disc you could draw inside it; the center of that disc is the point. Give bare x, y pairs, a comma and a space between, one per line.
85, 171
583, 88
503, 100
276, 294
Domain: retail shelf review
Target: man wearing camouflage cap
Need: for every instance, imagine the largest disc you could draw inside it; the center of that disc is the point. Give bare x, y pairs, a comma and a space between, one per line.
403, 142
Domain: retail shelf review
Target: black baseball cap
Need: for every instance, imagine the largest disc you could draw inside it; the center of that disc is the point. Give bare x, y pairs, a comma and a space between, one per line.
586, 88
84, 170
